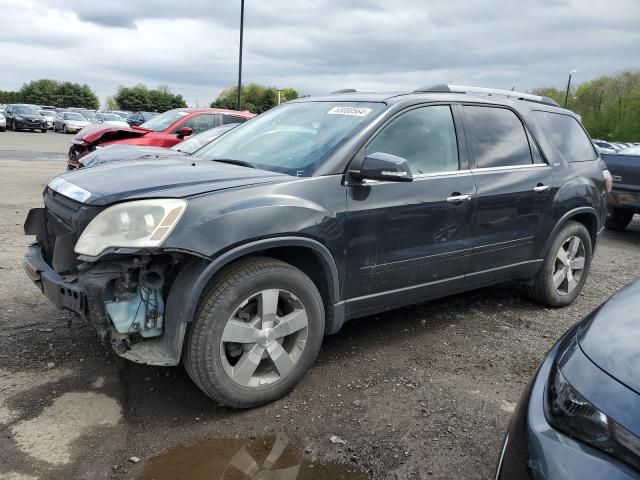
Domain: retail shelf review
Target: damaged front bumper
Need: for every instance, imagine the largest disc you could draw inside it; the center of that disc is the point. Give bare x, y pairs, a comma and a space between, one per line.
124, 301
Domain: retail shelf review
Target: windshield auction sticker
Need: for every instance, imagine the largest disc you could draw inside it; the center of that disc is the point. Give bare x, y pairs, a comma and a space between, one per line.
352, 111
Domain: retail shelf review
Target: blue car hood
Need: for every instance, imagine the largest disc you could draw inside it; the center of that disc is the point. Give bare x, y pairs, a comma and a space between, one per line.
611, 336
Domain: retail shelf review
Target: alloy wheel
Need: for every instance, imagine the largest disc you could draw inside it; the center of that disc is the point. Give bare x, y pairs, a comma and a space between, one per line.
264, 338
569, 265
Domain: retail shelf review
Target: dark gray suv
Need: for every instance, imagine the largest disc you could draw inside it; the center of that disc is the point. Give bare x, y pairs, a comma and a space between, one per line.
240, 258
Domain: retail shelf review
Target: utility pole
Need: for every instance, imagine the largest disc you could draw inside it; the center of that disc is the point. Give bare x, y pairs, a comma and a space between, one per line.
566, 95
240, 55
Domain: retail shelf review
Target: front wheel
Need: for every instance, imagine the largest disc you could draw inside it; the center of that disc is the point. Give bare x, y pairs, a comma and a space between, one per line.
565, 267
258, 330
64, 129
618, 219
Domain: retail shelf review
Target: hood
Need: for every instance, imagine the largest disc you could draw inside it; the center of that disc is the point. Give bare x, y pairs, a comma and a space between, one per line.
123, 152
29, 116
611, 336
170, 177
96, 133
76, 122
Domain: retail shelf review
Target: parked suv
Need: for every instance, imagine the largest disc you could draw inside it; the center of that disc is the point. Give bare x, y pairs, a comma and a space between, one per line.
240, 258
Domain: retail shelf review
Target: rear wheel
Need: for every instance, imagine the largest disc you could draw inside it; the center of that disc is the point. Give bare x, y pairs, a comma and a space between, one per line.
258, 330
565, 267
618, 219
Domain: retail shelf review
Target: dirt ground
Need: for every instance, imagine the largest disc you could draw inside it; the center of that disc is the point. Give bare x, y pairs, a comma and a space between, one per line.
422, 392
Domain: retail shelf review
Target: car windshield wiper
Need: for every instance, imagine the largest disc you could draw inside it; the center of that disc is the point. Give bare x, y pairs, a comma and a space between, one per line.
232, 161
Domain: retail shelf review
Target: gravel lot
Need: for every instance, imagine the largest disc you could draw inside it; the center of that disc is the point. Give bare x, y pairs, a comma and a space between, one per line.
421, 392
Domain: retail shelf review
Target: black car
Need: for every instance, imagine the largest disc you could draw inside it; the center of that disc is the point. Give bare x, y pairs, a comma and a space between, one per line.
241, 257
624, 199
579, 418
25, 117
136, 119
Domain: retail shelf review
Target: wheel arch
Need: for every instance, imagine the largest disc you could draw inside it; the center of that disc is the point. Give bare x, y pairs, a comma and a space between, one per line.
587, 216
309, 255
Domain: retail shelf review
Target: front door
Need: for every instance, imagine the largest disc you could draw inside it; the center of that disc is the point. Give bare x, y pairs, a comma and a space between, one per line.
514, 193
409, 241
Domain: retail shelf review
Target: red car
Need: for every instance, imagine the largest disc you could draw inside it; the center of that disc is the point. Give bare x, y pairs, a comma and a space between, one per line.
163, 130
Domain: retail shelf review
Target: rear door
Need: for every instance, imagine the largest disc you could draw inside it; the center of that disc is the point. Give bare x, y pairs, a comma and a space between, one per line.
514, 192
409, 241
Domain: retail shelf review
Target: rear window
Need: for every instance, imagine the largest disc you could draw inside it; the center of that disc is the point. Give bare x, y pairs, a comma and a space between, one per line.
568, 136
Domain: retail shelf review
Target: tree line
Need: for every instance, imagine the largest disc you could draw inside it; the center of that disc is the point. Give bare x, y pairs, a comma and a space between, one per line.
609, 105
255, 98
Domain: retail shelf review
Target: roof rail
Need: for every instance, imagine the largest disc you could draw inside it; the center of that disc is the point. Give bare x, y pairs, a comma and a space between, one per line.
352, 90
487, 91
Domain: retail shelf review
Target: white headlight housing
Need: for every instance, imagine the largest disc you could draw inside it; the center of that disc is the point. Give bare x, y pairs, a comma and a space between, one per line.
136, 224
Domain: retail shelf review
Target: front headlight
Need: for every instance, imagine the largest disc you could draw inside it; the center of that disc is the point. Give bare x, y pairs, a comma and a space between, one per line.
572, 414
136, 224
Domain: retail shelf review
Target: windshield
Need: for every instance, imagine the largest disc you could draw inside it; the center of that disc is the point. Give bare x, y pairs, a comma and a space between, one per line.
160, 123
26, 111
110, 117
191, 144
88, 114
73, 116
294, 139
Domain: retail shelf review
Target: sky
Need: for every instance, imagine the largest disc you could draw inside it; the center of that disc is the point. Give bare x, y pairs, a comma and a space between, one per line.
315, 46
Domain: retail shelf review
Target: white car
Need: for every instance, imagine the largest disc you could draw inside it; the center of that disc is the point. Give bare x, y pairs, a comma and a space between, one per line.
3, 123
110, 119
69, 122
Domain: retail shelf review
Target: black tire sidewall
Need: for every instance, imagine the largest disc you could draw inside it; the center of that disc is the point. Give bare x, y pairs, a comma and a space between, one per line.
212, 377
570, 230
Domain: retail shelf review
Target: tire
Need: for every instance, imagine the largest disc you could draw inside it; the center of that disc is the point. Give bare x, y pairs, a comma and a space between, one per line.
208, 360
14, 126
44, 130
3, 129
64, 128
545, 289
618, 219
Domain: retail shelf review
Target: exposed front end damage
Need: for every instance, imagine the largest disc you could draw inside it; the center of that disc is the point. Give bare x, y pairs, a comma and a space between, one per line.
134, 302
93, 135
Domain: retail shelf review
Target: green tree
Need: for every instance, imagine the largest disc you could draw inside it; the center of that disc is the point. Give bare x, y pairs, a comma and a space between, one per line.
139, 97
7, 96
253, 97
59, 94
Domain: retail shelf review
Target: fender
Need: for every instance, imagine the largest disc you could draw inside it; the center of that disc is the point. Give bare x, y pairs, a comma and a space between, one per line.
564, 219
195, 276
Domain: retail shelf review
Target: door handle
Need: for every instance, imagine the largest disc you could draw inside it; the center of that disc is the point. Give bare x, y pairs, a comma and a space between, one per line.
458, 198
541, 188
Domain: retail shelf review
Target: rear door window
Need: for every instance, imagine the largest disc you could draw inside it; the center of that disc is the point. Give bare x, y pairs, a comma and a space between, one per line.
498, 137
568, 136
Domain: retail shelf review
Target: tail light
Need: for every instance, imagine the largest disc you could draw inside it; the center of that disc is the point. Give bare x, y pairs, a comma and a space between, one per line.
608, 180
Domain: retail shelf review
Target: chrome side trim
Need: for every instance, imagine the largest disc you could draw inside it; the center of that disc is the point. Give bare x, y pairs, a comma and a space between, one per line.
509, 167
422, 176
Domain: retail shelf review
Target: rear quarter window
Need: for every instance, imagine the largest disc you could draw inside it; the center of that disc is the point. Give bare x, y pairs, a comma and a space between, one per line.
566, 133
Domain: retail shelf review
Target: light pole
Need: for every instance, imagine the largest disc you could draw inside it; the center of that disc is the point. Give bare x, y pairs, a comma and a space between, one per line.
240, 55
279, 90
566, 95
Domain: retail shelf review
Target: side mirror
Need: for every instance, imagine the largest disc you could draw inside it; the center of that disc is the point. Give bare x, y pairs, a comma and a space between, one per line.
384, 166
184, 132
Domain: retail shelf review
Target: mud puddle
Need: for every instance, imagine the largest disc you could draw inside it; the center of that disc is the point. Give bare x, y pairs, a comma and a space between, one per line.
238, 459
